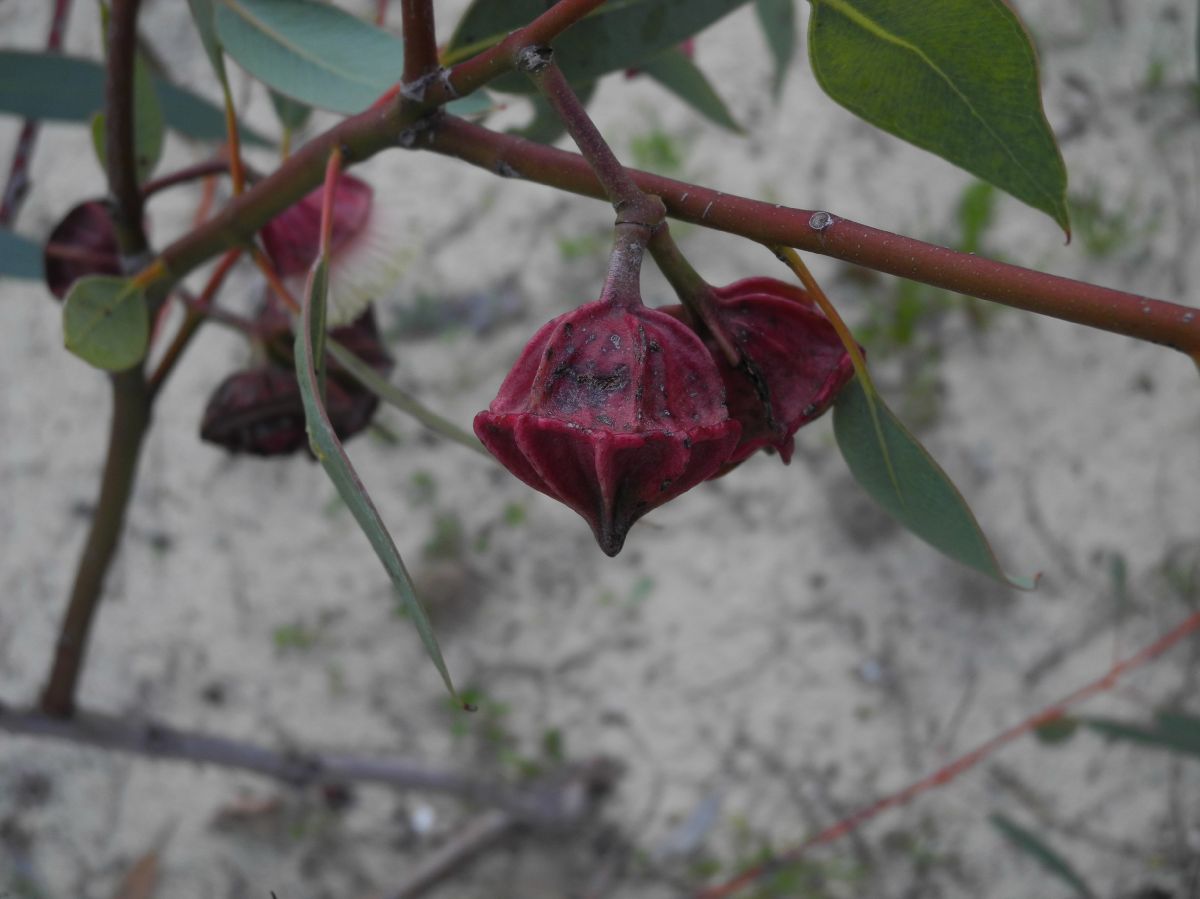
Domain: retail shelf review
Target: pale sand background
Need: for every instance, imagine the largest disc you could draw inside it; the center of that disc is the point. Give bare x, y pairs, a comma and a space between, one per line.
768, 647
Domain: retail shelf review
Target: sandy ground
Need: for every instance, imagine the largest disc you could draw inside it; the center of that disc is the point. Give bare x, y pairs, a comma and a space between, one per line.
766, 655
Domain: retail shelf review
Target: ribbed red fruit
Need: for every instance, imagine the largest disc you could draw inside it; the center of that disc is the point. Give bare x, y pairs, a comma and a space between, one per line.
793, 364
259, 410
612, 409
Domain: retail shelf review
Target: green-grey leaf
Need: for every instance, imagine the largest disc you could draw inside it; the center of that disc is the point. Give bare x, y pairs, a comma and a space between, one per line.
405, 402
19, 256
956, 77
147, 125
682, 77
202, 15
292, 114
328, 450
67, 88
106, 323
316, 53
615, 36
920, 497
1170, 730
778, 21
1036, 848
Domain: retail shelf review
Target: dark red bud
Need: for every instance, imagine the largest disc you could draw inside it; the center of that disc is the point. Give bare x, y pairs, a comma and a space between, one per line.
612, 410
256, 411
793, 363
83, 243
292, 239
259, 410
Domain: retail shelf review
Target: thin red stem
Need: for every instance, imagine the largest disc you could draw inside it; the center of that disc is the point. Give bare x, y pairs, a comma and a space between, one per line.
131, 397
1133, 315
274, 281
195, 317
333, 171
420, 39
184, 176
360, 137
944, 775
626, 197
120, 152
16, 188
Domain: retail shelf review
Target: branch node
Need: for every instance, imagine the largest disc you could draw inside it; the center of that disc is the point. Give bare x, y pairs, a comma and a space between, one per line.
819, 221
534, 59
415, 90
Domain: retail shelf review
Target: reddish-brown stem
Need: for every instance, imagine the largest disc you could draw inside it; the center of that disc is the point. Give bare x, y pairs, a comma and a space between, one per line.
131, 396
420, 39
130, 417
196, 314
360, 137
381, 12
333, 170
237, 171
626, 197
16, 188
947, 773
694, 292
120, 153
274, 281
820, 232
184, 175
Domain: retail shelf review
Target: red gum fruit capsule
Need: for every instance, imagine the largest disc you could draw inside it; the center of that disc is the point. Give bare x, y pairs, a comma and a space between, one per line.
83, 243
259, 410
794, 363
612, 410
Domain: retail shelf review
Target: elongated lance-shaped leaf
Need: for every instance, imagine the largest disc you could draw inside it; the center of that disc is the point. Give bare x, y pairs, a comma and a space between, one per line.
778, 21
616, 36
1173, 731
329, 452
1037, 848
19, 256
900, 475
682, 77
147, 125
202, 14
405, 402
956, 77
316, 53
66, 88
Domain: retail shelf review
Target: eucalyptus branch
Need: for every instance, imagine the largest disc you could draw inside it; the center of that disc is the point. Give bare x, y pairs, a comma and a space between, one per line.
131, 395
185, 175
555, 801
626, 197
359, 137
120, 152
16, 188
420, 39
816, 231
962, 764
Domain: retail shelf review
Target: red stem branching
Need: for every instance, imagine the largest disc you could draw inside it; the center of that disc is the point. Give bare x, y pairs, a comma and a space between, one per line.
130, 392
420, 39
817, 231
962, 764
